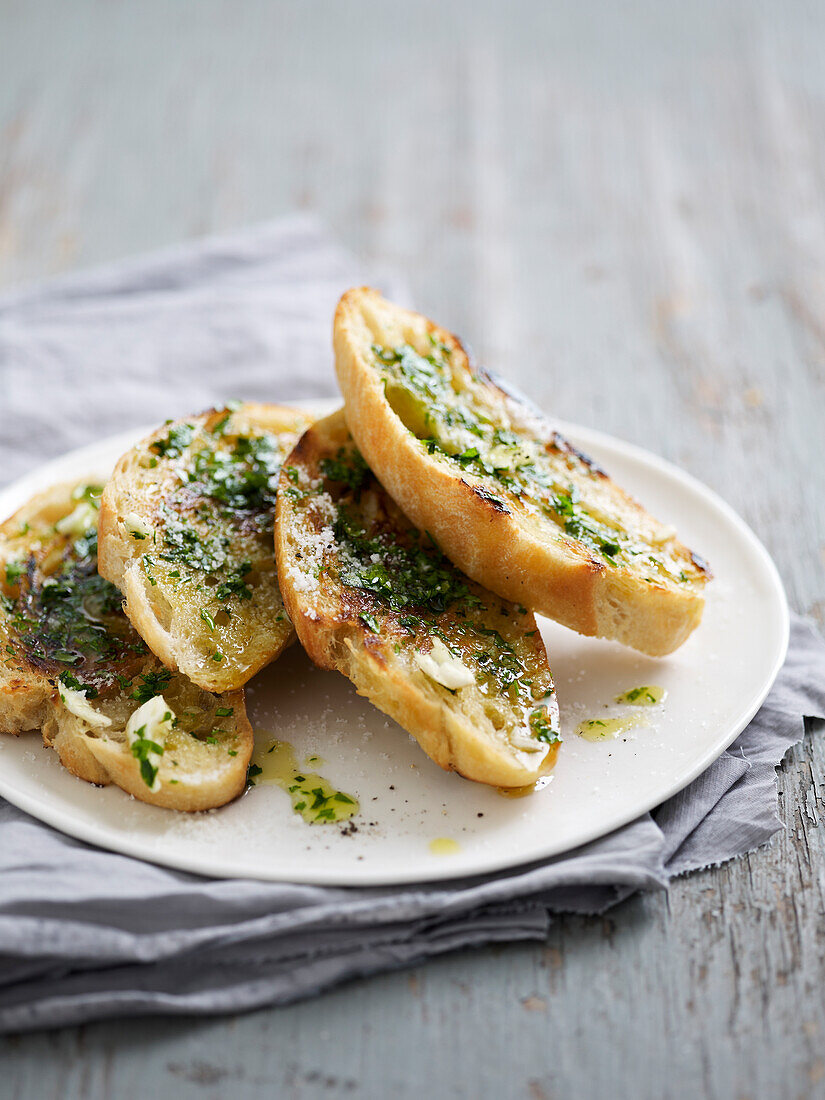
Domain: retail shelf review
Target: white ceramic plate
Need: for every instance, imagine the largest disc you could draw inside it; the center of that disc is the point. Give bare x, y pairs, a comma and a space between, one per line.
715, 684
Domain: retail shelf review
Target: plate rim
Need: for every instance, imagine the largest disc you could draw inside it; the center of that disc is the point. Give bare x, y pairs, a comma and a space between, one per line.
105, 837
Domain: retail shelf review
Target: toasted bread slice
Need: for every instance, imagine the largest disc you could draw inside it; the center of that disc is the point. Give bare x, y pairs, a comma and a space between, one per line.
462, 670
509, 500
72, 666
186, 535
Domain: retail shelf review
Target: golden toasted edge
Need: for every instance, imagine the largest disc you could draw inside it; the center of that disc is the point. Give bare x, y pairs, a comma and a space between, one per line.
557, 580
29, 702
104, 762
119, 562
337, 642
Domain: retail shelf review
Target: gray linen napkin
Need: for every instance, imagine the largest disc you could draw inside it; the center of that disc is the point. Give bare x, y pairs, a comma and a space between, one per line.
86, 933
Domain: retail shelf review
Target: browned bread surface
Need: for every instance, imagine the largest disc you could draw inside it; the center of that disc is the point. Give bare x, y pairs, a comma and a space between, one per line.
186, 534
508, 499
462, 670
72, 666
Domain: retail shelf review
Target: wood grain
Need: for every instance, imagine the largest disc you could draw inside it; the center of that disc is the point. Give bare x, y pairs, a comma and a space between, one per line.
622, 207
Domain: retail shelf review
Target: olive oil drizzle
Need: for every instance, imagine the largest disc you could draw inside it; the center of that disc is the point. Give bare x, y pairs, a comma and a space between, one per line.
607, 729
314, 798
444, 846
523, 792
647, 695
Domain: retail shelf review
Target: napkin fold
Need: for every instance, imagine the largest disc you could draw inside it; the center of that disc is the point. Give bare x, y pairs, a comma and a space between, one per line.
86, 933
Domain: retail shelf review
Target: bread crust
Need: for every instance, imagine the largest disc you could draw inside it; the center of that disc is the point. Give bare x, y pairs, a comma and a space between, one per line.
487, 533
452, 728
194, 773
202, 783
218, 643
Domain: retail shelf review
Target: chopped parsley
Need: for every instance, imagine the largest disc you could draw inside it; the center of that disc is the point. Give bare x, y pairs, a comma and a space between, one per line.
72, 617
14, 571
221, 425
235, 585
175, 442
370, 622
184, 544
151, 684
647, 695
543, 729
409, 577
71, 681
217, 522
142, 749
450, 422
348, 468
414, 576
244, 477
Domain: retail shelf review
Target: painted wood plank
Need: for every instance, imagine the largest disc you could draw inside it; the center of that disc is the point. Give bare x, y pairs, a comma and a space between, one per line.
621, 206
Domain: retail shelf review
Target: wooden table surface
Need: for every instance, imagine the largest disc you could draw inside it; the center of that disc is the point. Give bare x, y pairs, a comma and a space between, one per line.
623, 207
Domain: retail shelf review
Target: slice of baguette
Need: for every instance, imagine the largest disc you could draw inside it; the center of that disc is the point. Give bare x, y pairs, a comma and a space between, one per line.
462, 670
72, 666
186, 534
508, 499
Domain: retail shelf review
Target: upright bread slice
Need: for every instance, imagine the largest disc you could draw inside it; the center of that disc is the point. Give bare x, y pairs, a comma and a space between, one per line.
463, 670
186, 535
509, 500
72, 665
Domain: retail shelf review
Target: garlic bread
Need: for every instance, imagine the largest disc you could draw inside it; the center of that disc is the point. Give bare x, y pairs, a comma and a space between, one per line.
464, 671
508, 499
74, 667
186, 535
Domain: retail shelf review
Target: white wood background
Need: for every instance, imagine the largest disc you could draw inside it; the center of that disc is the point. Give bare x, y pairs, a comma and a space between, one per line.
622, 206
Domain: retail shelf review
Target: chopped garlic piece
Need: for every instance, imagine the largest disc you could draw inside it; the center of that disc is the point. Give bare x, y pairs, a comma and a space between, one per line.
150, 723
509, 457
444, 667
136, 525
153, 720
523, 739
79, 522
77, 703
